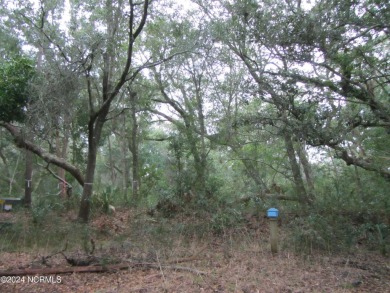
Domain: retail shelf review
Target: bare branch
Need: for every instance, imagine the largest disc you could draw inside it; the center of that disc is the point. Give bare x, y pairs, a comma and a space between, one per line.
55, 175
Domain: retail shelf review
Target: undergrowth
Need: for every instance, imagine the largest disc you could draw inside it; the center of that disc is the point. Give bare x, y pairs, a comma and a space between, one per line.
53, 227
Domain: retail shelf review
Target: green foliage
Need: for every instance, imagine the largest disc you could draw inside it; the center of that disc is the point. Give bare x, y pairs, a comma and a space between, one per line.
102, 200
9, 44
351, 209
337, 232
43, 206
15, 94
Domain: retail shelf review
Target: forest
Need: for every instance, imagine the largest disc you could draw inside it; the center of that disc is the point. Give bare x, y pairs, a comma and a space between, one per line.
149, 138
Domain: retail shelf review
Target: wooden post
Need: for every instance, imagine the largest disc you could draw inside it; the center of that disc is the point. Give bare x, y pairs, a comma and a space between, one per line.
273, 228
272, 215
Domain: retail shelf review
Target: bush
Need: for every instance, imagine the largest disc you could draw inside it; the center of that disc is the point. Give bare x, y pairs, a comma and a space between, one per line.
101, 201
337, 232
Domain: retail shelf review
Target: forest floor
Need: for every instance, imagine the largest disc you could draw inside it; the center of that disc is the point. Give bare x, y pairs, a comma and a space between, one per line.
170, 260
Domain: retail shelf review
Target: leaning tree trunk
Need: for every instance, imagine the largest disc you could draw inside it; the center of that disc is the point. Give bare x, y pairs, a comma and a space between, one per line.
252, 172
296, 172
307, 170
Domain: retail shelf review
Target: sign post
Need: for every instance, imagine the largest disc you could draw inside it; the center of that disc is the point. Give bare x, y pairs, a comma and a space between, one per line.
272, 215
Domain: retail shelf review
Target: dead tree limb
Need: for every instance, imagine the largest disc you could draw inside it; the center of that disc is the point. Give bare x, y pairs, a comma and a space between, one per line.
64, 270
95, 269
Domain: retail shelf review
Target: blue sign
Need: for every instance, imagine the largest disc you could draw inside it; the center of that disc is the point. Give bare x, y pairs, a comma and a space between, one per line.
272, 213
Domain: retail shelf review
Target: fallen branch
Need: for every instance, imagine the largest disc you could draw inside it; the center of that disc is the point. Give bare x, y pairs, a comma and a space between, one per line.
44, 259
95, 269
64, 270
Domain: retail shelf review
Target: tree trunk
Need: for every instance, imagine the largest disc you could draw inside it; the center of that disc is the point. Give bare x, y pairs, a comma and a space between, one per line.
111, 161
251, 170
28, 180
125, 174
94, 134
307, 170
85, 204
134, 147
296, 172
61, 148
179, 181
199, 163
203, 132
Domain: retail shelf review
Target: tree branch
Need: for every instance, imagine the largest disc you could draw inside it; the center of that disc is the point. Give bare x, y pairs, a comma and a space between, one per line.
366, 164
55, 175
21, 142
